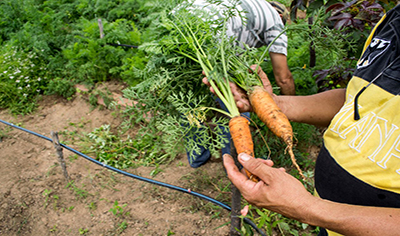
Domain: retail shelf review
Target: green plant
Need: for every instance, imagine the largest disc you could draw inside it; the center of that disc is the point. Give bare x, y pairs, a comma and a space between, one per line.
23, 75
4, 132
122, 226
61, 39
92, 206
119, 211
79, 192
170, 233
273, 223
346, 25
62, 87
112, 150
90, 59
83, 231
156, 171
53, 229
46, 195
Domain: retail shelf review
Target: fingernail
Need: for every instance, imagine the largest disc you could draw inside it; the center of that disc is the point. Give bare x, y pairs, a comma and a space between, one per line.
244, 157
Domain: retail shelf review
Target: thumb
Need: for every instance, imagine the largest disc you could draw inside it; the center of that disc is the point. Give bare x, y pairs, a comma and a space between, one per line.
254, 166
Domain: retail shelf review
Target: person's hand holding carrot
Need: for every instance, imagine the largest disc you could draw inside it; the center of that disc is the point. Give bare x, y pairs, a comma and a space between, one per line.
277, 191
242, 100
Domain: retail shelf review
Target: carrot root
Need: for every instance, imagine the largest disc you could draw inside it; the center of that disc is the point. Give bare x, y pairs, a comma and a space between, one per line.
242, 140
294, 162
271, 115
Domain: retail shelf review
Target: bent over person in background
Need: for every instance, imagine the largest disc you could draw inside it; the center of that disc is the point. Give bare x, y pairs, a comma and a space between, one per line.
264, 23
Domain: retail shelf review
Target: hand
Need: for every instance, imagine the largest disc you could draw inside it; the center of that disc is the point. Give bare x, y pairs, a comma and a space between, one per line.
264, 78
240, 96
276, 191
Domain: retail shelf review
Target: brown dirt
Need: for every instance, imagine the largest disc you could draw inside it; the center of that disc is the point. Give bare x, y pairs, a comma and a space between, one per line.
35, 199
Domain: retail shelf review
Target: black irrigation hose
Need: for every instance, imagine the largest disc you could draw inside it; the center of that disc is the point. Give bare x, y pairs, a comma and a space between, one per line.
188, 191
122, 45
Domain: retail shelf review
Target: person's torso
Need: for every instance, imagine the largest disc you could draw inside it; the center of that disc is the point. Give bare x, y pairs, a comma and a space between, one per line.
256, 24
360, 161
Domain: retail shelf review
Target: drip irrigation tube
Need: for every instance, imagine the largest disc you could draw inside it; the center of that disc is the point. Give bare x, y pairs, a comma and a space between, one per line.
151, 181
122, 45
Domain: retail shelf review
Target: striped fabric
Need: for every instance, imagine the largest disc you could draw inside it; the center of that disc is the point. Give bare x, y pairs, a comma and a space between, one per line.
258, 26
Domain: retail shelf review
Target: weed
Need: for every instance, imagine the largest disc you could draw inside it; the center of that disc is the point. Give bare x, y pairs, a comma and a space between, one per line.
22, 79
122, 226
180, 163
4, 132
156, 171
68, 209
22, 224
79, 192
62, 87
272, 223
55, 201
170, 233
92, 206
83, 231
46, 194
53, 229
118, 210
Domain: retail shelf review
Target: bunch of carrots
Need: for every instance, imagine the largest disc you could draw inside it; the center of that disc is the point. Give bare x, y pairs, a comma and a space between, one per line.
222, 65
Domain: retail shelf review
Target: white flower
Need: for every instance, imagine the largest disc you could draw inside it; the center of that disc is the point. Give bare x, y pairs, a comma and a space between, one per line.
5, 72
28, 86
25, 94
39, 79
11, 77
20, 88
17, 81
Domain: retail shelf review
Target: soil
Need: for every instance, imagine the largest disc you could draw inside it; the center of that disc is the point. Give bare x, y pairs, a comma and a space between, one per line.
36, 198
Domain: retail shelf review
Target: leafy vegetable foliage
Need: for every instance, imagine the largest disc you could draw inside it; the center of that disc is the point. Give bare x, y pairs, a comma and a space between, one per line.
171, 98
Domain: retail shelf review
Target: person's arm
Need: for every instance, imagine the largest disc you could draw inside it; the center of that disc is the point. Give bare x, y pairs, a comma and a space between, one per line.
282, 74
284, 194
317, 109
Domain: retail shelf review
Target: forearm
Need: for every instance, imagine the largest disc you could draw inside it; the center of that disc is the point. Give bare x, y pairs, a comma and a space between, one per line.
353, 220
283, 76
317, 109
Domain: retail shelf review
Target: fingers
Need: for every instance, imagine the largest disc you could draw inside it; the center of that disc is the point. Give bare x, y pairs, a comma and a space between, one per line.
205, 81
238, 178
239, 95
244, 106
263, 77
270, 163
231, 167
255, 166
233, 171
242, 101
245, 210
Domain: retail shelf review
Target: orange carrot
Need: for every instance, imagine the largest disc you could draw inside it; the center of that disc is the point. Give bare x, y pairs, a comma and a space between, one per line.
269, 113
242, 140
